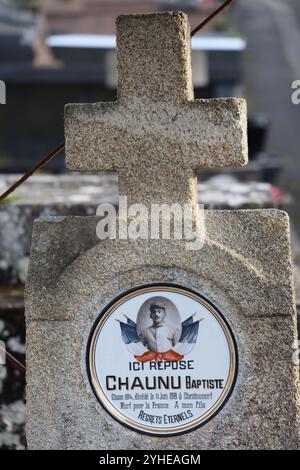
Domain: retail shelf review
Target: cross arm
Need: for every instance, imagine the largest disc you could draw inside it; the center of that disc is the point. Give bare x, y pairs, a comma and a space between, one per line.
218, 133
195, 134
89, 131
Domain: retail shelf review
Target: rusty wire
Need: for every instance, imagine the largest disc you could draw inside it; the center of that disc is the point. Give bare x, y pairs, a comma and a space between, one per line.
10, 358
33, 170
60, 147
212, 16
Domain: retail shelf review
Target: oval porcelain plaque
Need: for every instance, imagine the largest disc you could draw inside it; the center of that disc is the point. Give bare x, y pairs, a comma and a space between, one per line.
162, 359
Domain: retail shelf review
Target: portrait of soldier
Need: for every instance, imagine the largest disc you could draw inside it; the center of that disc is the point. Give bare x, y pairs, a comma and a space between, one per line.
159, 337
159, 334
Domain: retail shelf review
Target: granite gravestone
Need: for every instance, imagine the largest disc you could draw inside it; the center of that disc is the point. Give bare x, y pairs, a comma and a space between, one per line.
192, 349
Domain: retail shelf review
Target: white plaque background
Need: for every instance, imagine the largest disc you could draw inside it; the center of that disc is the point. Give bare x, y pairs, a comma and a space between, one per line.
213, 356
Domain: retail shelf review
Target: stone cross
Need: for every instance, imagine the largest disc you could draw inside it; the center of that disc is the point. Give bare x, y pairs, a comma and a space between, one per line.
156, 136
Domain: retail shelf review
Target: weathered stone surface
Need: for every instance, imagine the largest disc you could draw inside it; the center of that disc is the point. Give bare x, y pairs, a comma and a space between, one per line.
239, 241
236, 270
166, 76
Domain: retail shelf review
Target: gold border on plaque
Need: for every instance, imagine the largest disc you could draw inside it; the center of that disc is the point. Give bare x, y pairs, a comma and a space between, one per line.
104, 400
